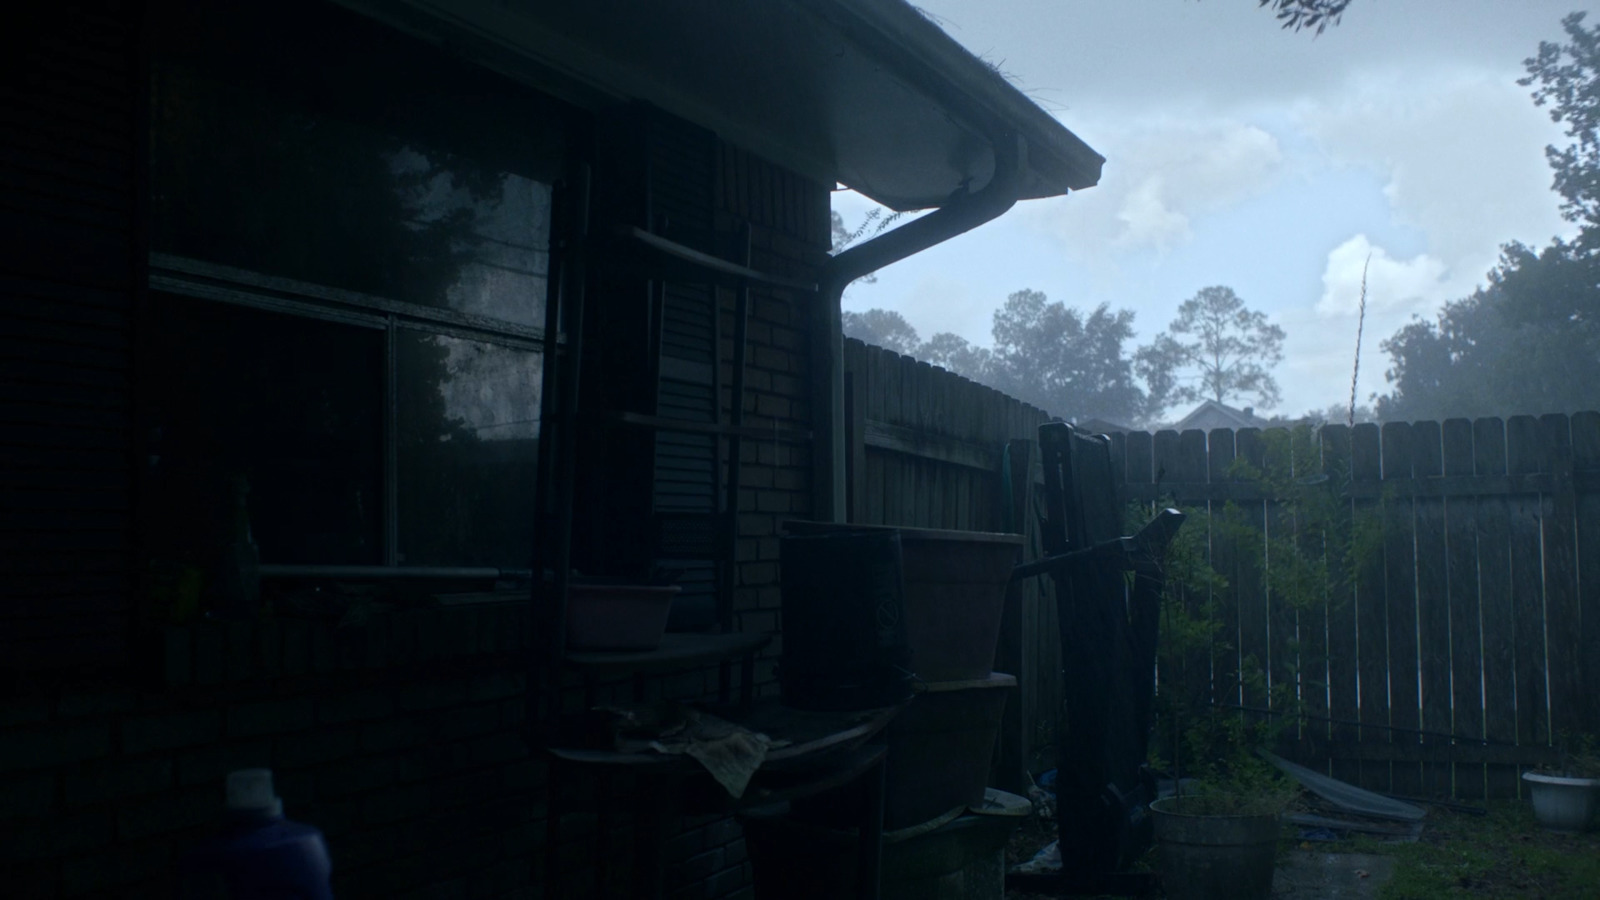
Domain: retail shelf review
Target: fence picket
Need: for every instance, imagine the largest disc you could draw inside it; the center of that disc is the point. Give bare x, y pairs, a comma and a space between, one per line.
1560, 580
1282, 627
1225, 646
1400, 600
1343, 689
1466, 657
1586, 458
1251, 594
1372, 627
1312, 619
1494, 591
876, 393
1140, 454
1186, 464
1524, 454
1433, 608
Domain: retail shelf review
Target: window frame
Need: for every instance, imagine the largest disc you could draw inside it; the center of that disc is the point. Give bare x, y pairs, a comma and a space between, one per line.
217, 283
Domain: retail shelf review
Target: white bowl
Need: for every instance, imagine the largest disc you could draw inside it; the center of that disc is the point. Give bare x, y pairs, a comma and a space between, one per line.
1561, 803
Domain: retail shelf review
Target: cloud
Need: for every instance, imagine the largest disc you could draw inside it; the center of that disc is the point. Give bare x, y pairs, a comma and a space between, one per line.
1418, 284
1161, 177
1462, 154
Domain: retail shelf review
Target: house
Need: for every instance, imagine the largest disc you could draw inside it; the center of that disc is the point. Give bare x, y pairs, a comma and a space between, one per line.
441, 294
1212, 414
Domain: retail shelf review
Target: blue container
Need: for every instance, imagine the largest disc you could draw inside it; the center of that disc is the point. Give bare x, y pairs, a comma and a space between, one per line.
260, 855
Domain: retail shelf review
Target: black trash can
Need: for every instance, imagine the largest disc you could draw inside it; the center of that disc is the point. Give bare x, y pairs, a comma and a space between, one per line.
844, 630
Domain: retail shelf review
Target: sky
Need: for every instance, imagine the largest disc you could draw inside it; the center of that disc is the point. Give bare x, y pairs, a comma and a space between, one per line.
1269, 161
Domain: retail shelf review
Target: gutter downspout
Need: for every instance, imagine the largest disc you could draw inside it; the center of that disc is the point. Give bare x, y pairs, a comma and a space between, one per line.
961, 214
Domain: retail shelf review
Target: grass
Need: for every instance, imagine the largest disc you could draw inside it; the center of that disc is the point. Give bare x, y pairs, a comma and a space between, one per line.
1504, 854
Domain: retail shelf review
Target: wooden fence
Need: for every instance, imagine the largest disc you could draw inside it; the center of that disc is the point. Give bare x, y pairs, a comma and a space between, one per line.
929, 449
1466, 643
1460, 651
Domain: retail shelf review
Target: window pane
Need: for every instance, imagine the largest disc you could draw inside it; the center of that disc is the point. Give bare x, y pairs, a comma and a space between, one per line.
469, 440
294, 405
304, 141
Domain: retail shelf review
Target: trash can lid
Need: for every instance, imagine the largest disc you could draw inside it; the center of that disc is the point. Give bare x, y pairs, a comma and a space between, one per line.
1001, 803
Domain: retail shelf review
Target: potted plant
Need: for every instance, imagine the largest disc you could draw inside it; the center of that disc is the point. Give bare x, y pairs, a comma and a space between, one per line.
1217, 835
1565, 795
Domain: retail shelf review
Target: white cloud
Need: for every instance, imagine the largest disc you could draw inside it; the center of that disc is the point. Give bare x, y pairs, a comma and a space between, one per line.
1462, 152
1161, 177
1418, 284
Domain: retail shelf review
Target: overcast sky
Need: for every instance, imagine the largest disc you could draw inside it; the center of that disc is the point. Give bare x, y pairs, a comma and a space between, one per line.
1268, 161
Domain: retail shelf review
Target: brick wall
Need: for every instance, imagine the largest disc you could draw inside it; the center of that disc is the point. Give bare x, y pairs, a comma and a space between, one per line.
788, 216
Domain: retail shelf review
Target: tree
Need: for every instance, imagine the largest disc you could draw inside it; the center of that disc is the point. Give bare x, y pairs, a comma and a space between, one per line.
883, 328
1567, 80
1215, 349
953, 352
1065, 362
1528, 341
1299, 14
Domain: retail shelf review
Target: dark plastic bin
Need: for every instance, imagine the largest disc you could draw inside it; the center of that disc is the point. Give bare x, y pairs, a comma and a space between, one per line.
844, 631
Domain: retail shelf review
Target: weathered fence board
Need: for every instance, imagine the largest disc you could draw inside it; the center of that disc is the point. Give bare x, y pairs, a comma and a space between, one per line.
1225, 645
1372, 641
1524, 454
1250, 593
1494, 591
1560, 579
1343, 686
1433, 609
1586, 458
1400, 602
1311, 621
1466, 658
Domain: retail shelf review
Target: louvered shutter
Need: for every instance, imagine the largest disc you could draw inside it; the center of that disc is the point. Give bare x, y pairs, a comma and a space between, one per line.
681, 160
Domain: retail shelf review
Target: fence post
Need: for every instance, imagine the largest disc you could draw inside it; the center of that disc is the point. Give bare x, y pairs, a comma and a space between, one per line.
1016, 652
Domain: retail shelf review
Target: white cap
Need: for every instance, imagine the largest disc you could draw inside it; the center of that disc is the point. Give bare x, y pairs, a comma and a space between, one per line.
250, 790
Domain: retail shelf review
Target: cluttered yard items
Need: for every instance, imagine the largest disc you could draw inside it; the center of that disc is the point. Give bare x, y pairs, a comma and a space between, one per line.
882, 614
1108, 624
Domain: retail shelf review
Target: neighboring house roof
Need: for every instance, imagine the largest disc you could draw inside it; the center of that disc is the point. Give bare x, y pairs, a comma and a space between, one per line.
1211, 414
868, 93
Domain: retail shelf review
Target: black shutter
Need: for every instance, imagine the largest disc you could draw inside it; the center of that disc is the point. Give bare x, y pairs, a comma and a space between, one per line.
69, 264
684, 501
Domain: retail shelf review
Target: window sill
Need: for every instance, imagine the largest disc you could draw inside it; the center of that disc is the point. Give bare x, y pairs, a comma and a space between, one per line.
214, 653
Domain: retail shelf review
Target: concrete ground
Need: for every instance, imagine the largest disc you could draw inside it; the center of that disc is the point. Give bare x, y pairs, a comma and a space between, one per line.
1307, 874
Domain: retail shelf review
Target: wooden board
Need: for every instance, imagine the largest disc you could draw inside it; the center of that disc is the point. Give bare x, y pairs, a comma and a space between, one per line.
1466, 657
1433, 607
1224, 561
1343, 691
1251, 593
1494, 592
1372, 650
1586, 458
1562, 621
1399, 580
1524, 453
1312, 619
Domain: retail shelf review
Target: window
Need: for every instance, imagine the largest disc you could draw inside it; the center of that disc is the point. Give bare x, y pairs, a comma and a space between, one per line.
350, 251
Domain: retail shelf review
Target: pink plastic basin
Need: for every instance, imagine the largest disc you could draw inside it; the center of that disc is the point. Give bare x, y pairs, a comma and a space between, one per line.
617, 617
